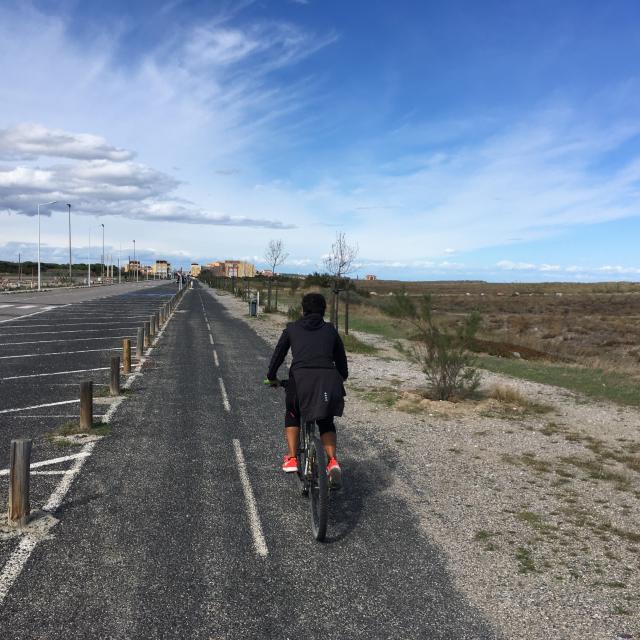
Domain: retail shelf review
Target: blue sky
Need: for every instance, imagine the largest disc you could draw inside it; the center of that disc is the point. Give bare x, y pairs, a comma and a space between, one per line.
492, 140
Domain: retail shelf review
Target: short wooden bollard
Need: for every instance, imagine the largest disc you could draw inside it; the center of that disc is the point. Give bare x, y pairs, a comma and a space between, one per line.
152, 326
147, 337
126, 356
86, 405
114, 383
156, 319
19, 463
140, 342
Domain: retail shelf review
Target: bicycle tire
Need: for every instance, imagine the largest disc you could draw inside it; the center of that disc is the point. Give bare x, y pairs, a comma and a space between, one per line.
319, 490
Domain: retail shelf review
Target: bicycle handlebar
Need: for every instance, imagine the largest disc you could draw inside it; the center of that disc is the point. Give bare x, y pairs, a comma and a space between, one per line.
278, 383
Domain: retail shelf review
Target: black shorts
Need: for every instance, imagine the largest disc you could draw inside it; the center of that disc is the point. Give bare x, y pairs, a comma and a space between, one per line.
292, 411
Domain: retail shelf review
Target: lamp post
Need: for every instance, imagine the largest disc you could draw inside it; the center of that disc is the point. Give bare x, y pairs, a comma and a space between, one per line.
44, 204
89, 262
135, 264
70, 277
102, 225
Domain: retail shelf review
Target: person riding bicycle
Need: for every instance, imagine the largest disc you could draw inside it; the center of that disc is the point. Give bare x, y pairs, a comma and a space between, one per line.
315, 389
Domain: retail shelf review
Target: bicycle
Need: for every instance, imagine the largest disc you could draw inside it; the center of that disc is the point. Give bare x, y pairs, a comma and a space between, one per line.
312, 472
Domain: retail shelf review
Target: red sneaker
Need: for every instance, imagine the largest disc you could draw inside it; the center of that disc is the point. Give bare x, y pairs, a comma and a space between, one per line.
290, 464
335, 474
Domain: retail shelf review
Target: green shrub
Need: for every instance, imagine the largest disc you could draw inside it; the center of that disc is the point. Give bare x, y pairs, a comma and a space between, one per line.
295, 312
443, 353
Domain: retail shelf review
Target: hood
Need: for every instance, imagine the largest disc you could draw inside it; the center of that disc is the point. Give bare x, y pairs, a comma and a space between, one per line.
312, 322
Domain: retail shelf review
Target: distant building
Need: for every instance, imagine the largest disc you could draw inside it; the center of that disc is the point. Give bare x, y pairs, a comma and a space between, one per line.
196, 269
132, 266
267, 273
161, 269
370, 277
231, 268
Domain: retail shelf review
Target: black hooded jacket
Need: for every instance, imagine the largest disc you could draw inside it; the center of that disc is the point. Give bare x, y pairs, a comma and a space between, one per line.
319, 365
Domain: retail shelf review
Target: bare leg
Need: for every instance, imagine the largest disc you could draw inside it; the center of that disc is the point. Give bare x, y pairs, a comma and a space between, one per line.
329, 442
292, 434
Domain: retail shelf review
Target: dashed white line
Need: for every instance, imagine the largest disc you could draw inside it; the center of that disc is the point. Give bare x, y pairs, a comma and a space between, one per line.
215, 358
225, 399
28, 306
259, 543
210, 338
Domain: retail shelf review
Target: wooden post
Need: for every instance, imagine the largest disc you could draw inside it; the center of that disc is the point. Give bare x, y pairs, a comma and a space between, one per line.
152, 326
147, 337
156, 315
114, 383
126, 355
140, 342
86, 405
19, 463
346, 312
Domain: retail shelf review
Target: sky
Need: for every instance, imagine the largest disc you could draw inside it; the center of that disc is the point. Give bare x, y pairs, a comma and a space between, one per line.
495, 140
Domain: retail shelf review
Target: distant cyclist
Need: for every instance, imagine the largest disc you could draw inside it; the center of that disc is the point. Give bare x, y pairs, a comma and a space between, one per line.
315, 389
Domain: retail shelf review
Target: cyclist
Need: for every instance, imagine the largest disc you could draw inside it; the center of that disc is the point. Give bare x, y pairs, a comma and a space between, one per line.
315, 389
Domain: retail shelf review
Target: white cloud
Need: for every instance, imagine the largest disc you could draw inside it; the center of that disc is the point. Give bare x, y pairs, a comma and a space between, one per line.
30, 141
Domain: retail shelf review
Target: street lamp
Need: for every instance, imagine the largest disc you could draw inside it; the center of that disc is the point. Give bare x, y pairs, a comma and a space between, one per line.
44, 204
135, 264
70, 278
102, 225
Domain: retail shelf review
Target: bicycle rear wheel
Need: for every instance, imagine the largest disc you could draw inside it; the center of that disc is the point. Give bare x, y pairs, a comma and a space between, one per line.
319, 489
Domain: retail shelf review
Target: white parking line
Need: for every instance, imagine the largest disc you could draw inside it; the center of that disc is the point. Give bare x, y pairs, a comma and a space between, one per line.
51, 461
215, 358
39, 406
210, 338
28, 315
28, 306
225, 399
259, 542
18, 559
59, 353
11, 344
55, 373
48, 333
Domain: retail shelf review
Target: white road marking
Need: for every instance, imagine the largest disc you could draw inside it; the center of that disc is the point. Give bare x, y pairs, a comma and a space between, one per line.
4, 306
11, 344
59, 353
259, 542
55, 373
18, 559
215, 358
47, 473
39, 406
208, 326
16, 563
27, 306
225, 399
47, 463
46, 333
56, 498
28, 315
210, 338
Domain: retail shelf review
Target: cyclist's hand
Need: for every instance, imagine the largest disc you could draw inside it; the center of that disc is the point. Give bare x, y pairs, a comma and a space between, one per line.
271, 383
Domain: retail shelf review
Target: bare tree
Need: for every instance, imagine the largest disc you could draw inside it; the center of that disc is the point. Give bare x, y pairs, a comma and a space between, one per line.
274, 256
340, 263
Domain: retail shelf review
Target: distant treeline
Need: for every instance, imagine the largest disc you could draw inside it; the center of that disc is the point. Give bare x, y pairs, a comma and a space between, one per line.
27, 266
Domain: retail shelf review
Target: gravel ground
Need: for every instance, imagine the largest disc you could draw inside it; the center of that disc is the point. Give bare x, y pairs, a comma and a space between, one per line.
536, 505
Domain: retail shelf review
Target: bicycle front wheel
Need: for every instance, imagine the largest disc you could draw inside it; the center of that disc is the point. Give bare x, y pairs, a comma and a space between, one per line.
319, 489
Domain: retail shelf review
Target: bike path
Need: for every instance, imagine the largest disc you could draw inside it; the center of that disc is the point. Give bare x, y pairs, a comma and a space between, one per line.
154, 540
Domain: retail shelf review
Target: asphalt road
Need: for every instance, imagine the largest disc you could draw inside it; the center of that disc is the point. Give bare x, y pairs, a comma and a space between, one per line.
165, 535
46, 353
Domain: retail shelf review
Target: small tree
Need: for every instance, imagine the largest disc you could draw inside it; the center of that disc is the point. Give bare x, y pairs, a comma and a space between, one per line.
274, 256
442, 353
340, 263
